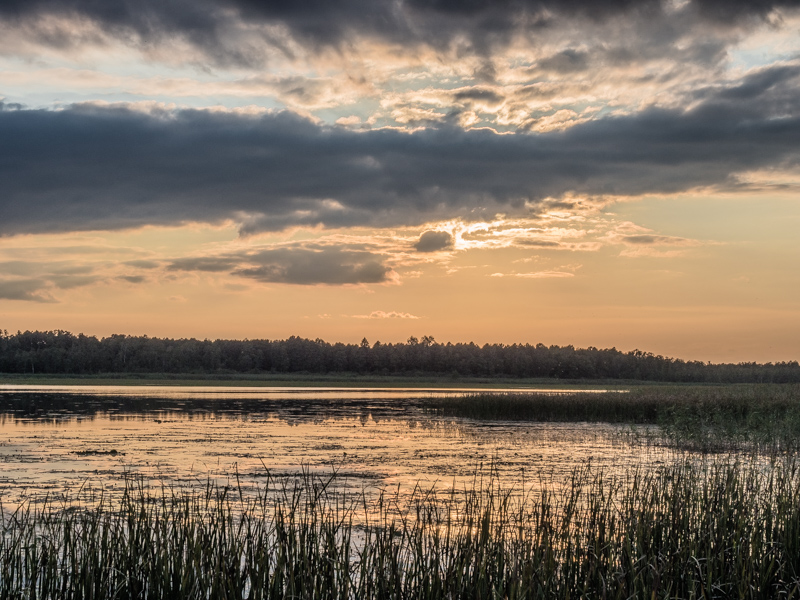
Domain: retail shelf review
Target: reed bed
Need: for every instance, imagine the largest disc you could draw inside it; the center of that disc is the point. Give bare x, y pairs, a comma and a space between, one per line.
761, 417
713, 530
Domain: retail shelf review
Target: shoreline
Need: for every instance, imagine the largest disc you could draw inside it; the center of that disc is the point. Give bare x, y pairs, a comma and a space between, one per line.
282, 380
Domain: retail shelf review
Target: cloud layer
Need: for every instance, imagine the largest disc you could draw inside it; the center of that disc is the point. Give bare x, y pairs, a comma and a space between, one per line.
310, 264
109, 167
234, 31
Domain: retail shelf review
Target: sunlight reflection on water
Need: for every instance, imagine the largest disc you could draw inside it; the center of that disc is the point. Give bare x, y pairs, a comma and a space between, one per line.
59, 442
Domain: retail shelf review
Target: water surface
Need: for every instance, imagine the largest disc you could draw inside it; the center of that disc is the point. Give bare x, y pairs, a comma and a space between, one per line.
56, 441
269, 392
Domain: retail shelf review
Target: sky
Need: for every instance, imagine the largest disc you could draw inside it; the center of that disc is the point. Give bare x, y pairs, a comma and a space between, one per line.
607, 173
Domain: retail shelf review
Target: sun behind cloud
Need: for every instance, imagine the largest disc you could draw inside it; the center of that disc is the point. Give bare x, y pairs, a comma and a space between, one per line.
585, 172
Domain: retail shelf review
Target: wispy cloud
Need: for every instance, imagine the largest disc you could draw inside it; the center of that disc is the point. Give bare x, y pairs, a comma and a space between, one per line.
379, 314
659, 240
30, 290
641, 242
537, 275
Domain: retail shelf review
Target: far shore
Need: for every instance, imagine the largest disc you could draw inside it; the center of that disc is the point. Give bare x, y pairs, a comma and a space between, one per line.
349, 380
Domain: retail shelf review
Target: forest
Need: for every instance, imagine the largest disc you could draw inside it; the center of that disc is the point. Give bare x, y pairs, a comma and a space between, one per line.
61, 352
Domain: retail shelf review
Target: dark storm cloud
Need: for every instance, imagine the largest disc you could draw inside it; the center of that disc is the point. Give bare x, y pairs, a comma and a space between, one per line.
311, 264
216, 26
566, 61
727, 11
432, 241
757, 84
106, 168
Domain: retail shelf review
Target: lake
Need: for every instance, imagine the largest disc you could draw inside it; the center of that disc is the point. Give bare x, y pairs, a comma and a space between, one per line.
56, 440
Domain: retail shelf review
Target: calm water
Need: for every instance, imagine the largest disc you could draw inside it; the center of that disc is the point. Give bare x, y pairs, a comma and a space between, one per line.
261, 393
57, 441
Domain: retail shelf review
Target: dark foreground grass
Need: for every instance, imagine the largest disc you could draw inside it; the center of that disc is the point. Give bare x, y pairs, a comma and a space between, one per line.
761, 417
719, 531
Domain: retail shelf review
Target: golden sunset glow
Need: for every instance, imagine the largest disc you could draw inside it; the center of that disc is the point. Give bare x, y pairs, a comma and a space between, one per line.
597, 175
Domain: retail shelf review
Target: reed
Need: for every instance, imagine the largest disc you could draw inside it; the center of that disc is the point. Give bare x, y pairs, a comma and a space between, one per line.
708, 530
761, 417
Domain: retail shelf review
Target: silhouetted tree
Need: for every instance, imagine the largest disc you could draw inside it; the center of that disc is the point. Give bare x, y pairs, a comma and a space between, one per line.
63, 352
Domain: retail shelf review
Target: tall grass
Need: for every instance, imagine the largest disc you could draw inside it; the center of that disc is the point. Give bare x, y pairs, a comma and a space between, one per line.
705, 418
714, 531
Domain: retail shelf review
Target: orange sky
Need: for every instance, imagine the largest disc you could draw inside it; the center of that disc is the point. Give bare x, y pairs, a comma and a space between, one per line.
595, 175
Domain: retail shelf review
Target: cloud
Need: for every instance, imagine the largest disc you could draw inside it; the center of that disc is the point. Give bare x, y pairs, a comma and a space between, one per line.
650, 240
537, 275
143, 264
478, 94
213, 264
67, 282
379, 314
240, 31
133, 278
432, 241
569, 60
540, 244
17, 267
35, 280
31, 290
641, 242
92, 167
312, 264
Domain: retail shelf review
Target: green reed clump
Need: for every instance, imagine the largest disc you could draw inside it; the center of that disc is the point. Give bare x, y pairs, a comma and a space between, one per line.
704, 418
608, 407
683, 531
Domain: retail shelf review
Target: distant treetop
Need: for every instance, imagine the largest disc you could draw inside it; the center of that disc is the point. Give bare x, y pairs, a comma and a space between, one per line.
61, 352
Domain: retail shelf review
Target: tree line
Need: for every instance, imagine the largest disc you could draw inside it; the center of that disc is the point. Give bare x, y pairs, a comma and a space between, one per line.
61, 352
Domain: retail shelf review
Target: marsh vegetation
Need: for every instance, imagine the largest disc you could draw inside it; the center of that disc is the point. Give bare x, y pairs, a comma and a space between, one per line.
717, 530
690, 492
763, 418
